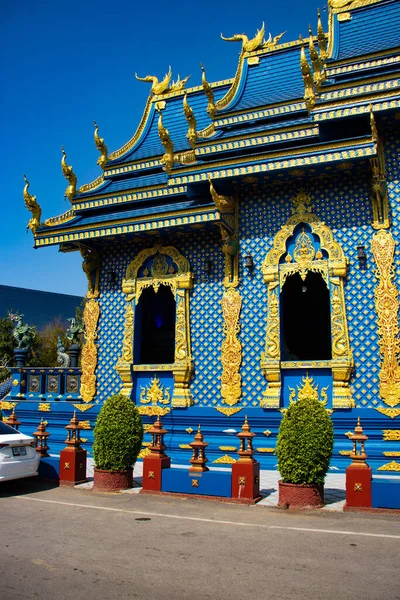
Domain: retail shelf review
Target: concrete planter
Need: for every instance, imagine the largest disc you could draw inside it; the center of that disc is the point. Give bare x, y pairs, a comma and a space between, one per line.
112, 481
296, 495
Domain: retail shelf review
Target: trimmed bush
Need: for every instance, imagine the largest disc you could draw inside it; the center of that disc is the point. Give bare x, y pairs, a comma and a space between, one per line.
118, 434
305, 443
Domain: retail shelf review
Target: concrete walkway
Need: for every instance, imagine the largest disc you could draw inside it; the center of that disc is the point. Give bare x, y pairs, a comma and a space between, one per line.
335, 485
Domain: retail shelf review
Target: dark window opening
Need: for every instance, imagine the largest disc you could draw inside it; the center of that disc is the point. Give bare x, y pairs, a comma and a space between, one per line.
305, 319
155, 327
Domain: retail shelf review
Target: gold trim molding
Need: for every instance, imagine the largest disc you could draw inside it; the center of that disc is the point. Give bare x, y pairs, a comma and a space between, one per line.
333, 269
91, 316
180, 282
387, 309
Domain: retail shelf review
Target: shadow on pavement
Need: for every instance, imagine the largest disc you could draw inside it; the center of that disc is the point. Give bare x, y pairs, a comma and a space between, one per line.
29, 485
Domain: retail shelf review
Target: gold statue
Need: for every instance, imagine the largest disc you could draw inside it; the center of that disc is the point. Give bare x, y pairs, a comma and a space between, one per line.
225, 204
249, 45
179, 84
101, 147
321, 38
157, 88
191, 119
209, 93
309, 93
168, 158
319, 73
90, 265
69, 176
33, 207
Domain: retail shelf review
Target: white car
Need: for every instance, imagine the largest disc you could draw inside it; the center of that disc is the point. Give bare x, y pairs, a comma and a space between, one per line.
18, 457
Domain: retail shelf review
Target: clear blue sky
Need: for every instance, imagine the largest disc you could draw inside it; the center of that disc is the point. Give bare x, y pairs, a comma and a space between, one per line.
65, 64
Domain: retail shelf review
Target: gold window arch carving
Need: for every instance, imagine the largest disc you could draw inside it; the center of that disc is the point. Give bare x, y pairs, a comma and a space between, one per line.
178, 277
331, 263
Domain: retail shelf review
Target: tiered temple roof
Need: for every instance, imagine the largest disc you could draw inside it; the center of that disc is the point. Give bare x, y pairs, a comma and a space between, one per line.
300, 104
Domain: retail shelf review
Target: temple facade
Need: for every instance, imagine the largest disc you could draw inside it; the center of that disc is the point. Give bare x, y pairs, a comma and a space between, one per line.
241, 248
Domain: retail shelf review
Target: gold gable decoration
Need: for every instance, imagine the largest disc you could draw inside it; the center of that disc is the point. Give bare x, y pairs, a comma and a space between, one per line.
329, 261
155, 393
309, 389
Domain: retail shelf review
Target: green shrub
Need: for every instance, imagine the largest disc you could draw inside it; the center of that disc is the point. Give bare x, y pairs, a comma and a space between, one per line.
305, 443
118, 434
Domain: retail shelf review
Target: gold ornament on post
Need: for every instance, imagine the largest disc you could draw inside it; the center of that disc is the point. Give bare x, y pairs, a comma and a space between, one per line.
69, 175
33, 207
101, 147
157, 88
387, 308
249, 45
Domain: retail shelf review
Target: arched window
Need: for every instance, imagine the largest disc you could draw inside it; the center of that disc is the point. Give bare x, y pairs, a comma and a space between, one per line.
155, 327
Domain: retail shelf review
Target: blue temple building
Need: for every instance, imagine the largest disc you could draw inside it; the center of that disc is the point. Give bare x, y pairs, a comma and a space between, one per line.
241, 248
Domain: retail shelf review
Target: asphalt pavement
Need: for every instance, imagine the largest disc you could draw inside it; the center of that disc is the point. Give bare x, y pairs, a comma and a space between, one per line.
66, 543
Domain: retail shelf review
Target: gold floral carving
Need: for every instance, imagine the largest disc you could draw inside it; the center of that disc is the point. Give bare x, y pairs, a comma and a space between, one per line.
391, 466
345, 452
83, 407
185, 446
44, 406
309, 389
85, 424
224, 460
91, 315
329, 261
228, 448
389, 412
144, 452
180, 332
4, 405
341, 5
269, 450
231, 356
153, 411
228, 412
388, 454
267, 432
387, 308
155, 393
391, 435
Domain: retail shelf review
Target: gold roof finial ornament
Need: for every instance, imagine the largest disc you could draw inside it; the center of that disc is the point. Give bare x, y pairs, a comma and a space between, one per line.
372, 121
225, 204
101, 147
191, 119
309, 93
69, 176
158, 87
168, 157
249, 45
179, 84
322, 45
33, 207
208, 92
319, 73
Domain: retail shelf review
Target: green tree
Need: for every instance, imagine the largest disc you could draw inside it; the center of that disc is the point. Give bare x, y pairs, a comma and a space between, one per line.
45, 352
7, 344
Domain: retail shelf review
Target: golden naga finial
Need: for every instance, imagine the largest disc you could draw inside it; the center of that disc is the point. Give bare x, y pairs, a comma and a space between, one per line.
33, 207
209, 93
101, 147
168, 157
272, 42
309, 93
249, 45
179, 84
191, 119
322, 45
69, 176
374, 129
319, 73
157, 88
225, 204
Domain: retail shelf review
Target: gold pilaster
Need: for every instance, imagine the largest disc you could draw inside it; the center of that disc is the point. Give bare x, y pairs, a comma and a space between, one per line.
91, 316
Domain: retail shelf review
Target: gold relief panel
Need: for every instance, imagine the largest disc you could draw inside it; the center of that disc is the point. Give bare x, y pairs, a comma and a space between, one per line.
231, 355
91, 316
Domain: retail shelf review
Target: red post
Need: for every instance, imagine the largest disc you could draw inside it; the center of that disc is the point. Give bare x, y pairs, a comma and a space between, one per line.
73, 457
154, 464
358, 474
246, 471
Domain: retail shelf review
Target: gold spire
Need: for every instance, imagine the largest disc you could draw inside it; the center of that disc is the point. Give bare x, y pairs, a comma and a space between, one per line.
191, 119
209, 93
321, 39
168, 157
157, 88
309, 94
33, 207
249, 45
69, 176
101, 147
319, 73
